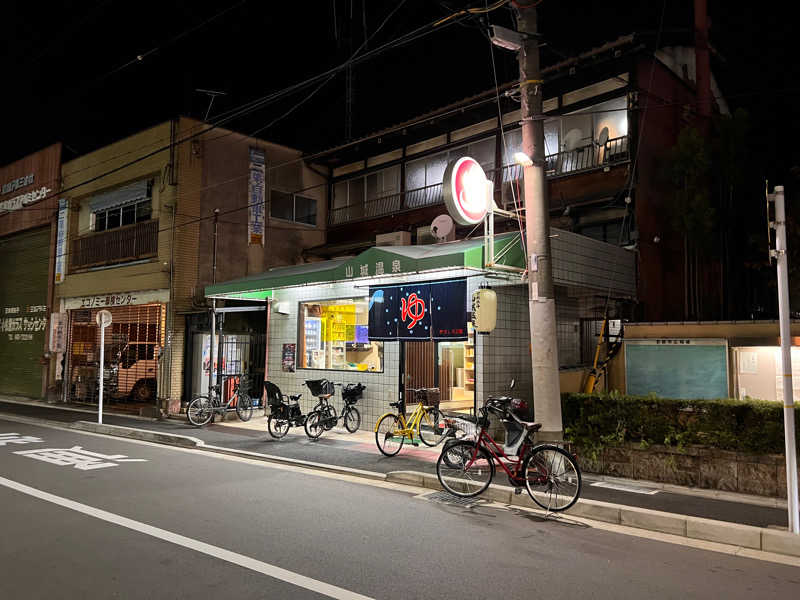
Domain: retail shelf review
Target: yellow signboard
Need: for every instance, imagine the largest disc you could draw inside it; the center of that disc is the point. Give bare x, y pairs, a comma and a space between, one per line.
340, 322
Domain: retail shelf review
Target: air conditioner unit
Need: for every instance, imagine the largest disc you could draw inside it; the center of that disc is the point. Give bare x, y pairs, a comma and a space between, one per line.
396, 238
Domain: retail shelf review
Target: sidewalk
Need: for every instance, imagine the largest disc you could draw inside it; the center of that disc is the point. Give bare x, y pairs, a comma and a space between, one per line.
358, 451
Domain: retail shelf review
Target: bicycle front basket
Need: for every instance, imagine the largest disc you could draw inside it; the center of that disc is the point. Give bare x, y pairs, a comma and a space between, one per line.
320, 387
430, 397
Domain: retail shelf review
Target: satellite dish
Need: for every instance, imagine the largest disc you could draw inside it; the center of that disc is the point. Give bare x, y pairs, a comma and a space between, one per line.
573, 139
602, 139
442, 227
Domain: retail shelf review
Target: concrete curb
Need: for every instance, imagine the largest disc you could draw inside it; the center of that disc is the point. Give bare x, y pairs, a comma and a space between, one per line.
734, 534
145, 435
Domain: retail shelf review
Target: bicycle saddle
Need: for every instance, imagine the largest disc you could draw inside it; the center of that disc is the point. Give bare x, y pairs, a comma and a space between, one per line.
295, 397
528, 425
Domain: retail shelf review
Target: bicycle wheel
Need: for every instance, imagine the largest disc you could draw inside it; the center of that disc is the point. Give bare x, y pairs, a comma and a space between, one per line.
552, 478
430, 427
352, 419
330, 417
460, 474
199, 411
277, 427
313, 425
244, 407
387, 439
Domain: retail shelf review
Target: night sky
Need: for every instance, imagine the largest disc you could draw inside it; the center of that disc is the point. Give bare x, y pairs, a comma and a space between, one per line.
70, 71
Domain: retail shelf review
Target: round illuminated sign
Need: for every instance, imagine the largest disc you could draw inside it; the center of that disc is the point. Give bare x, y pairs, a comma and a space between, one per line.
465, 191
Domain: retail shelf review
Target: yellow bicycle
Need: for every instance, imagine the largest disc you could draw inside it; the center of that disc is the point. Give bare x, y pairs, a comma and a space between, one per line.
392, 429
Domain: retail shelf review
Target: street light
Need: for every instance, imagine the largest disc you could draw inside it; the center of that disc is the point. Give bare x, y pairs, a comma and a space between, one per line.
523, 159
506, 38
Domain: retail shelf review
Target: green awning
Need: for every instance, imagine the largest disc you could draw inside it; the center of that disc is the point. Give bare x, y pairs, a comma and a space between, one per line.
384, 261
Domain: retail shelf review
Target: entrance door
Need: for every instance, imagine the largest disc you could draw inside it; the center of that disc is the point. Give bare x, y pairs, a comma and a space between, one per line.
419, 367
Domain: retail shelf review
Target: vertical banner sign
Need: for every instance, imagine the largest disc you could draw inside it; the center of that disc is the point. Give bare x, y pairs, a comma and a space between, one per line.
58, 332
418, 311
255, 198
61, 241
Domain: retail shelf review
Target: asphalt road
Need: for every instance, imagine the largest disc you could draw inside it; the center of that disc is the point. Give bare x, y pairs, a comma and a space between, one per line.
338, 449
181, 523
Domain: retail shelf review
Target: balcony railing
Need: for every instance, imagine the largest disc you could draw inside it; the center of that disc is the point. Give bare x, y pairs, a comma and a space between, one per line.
124, 244
587, 158
387, 205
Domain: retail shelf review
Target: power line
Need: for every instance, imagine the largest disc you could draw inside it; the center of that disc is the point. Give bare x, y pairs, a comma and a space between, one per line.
139, 58
258, 103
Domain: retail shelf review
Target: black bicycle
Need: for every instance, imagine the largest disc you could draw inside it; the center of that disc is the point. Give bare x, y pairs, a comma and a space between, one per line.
323, 416
283, 414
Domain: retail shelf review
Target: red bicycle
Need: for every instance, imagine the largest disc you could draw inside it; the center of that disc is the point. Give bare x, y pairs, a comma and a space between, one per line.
551, 475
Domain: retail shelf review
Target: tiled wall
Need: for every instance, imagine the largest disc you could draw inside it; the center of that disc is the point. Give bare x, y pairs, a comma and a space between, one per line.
505, 353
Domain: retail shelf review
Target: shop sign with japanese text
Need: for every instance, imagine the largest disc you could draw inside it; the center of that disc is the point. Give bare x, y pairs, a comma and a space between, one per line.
418, 311
117, 299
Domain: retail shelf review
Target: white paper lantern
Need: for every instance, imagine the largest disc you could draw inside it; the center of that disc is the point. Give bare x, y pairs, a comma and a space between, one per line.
484, 310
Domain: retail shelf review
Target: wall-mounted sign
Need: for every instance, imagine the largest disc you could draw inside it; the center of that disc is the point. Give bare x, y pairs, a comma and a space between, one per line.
25, 199
287, 358
61, 241
418, 311
58, 332
255, 198
19, 182
466, 193
117, 299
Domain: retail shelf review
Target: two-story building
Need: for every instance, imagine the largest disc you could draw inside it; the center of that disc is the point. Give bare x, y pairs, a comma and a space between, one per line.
141, 242
28, 217
610, 116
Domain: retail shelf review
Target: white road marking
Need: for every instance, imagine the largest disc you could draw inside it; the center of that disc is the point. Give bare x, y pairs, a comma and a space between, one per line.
625, 488
216, 552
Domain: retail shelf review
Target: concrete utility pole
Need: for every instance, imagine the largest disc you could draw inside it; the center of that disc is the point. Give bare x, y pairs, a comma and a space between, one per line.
541, 293
786, 346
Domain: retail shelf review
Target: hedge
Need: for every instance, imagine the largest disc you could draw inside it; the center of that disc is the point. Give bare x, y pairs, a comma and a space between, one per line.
597, 421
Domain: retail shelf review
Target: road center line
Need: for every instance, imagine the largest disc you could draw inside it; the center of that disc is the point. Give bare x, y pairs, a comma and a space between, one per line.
235, 558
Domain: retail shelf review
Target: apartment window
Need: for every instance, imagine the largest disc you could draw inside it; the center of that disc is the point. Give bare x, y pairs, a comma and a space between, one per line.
333, 335
383, 183
428, 171
119, 216
127, 205
367, 188
293, 207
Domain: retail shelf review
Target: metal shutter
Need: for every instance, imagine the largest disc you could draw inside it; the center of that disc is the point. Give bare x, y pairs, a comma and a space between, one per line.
24, 263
